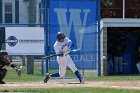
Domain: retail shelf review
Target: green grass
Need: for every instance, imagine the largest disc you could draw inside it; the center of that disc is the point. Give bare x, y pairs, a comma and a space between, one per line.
74, 90
12, 76
113, 78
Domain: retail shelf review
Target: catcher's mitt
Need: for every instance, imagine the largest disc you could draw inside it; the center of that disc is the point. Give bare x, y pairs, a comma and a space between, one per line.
18, 70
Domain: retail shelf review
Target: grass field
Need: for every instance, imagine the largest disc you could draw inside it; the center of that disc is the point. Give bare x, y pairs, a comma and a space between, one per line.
74, 90
12, 77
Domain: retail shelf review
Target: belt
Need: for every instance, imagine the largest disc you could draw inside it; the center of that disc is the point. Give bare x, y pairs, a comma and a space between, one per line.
63, 55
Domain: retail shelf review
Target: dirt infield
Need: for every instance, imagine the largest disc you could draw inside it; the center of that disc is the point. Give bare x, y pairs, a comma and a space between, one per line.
60, 84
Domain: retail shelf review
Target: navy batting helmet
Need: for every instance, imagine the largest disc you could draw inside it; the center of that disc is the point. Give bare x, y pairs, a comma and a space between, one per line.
60, 36
3, 52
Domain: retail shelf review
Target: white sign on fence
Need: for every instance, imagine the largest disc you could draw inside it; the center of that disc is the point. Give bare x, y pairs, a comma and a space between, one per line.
25, 40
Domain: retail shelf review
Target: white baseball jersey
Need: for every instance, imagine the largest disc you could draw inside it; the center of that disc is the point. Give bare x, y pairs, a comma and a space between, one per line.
65, 60
62, 47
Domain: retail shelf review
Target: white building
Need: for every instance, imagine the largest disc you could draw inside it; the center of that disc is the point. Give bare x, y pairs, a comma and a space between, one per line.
19, 11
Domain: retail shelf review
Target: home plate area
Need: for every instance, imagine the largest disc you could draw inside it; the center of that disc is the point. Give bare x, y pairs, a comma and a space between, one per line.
72, 83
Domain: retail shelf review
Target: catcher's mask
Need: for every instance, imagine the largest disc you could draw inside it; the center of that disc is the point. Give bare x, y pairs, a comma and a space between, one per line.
3, 52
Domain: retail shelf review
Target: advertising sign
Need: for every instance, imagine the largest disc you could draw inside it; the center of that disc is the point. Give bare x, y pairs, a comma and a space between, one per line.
25, 40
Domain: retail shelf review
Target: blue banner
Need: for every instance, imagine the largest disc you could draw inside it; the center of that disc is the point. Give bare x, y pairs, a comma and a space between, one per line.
78, 21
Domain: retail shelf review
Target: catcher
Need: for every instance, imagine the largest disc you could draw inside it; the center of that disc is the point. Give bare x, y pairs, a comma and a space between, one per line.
3, 62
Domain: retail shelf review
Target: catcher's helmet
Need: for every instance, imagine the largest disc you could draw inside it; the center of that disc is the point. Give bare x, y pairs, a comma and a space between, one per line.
60, 36
3, 52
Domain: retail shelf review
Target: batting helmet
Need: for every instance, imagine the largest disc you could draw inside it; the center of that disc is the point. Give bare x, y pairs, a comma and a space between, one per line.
3, 52
60, 36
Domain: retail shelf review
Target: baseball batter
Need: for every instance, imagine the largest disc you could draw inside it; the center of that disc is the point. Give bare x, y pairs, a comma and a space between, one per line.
62, 47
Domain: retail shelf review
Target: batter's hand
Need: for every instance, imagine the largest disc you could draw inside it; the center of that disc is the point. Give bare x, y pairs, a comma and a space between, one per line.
61, 55
68, 51
70, 45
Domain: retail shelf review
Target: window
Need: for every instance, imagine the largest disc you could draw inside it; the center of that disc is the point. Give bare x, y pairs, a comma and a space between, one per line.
40, 14
16, 11
114, 8
111, 8
132, 9
8, 13
1, 11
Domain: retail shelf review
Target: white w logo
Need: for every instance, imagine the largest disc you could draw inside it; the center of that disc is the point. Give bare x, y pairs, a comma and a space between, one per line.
75, 21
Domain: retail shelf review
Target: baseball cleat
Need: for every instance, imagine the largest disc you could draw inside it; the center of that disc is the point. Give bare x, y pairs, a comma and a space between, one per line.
47, 77
82, 81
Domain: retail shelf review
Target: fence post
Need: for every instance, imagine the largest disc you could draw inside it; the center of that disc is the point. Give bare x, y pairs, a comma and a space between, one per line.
99, 46
42, 66
23, 60
30, 65
46, 31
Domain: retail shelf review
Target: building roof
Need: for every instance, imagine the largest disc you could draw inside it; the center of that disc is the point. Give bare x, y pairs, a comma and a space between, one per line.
120, 22
25, 0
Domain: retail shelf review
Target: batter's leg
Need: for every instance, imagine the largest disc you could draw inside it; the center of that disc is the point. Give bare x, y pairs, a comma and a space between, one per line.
62, 66
62, 70
72, 66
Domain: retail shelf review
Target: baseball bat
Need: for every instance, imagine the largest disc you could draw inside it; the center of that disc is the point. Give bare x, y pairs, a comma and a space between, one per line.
76, 50
53, 55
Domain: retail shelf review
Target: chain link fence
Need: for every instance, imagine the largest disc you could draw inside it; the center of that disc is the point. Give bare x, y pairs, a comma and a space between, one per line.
78, 20
22, 36
28, 30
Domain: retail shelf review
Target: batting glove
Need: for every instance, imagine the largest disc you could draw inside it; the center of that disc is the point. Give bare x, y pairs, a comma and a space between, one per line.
61, 55
70, 45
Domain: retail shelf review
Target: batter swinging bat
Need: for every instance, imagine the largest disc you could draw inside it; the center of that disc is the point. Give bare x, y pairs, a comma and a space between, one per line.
75, 50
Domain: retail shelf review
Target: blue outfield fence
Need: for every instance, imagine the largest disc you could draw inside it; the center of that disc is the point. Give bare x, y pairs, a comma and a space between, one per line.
85, 60
79, 20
